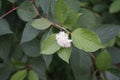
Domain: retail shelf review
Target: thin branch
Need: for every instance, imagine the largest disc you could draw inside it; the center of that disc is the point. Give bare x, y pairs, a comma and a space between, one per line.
58, 26
8, 12
91, 54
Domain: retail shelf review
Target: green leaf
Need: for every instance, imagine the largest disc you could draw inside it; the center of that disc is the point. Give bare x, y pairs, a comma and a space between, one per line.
71, 20
49, 45
103, 60
48, 59
32, 75
107, 32
32, 48
81, 64
61, 10
110, 43
5, 47
64, 54
74, 5
38, 64
44, 4
18, 64
115, 54
87, 19
115, 6
27, 11
4, 27
5, 71
20, 75
41, 23
29, 33
86, 40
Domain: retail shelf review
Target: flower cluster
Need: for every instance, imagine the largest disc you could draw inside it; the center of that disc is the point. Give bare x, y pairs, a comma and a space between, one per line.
63, 39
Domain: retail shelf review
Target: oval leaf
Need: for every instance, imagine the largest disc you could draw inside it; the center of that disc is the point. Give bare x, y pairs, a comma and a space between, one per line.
86, 40
64, 54
103, 60
20, 75
71, 20
60, 10
29, 30
32, 75
49, 45
4, 27
115, 6
27, 11
41, 23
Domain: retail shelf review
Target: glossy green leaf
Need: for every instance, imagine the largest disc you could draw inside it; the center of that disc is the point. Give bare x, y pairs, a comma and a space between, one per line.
41, 23
32, 48
86, 40
29, 33
44, 4
60, 10
49, 45
32, 75
20, 75
115, 54
39, 66
27, 11
73, 5
103, 60
87, 19
4, 27
71, 20
107, 32
115, 6
81, 64
64, 54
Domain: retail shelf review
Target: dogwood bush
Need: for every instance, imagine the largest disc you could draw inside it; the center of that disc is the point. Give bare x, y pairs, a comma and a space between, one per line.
59, 40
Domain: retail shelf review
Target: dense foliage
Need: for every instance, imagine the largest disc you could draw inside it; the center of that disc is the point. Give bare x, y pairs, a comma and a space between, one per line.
59, 40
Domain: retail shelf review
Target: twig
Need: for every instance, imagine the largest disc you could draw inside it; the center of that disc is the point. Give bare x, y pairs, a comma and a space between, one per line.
91, 54
8, 12
58, 26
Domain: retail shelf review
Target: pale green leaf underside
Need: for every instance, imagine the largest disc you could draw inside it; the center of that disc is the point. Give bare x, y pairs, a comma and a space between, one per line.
86, 40
115, 6
32, 75
64, 54
41, 23
49, 45
60, 10
71, 20
20, 75
27, 11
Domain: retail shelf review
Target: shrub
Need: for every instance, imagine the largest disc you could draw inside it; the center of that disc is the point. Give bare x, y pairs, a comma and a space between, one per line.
59, 40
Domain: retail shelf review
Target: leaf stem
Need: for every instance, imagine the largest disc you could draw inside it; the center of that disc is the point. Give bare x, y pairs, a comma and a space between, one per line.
15, 8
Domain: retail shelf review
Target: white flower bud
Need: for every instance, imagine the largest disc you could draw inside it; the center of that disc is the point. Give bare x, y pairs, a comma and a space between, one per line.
63, 39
